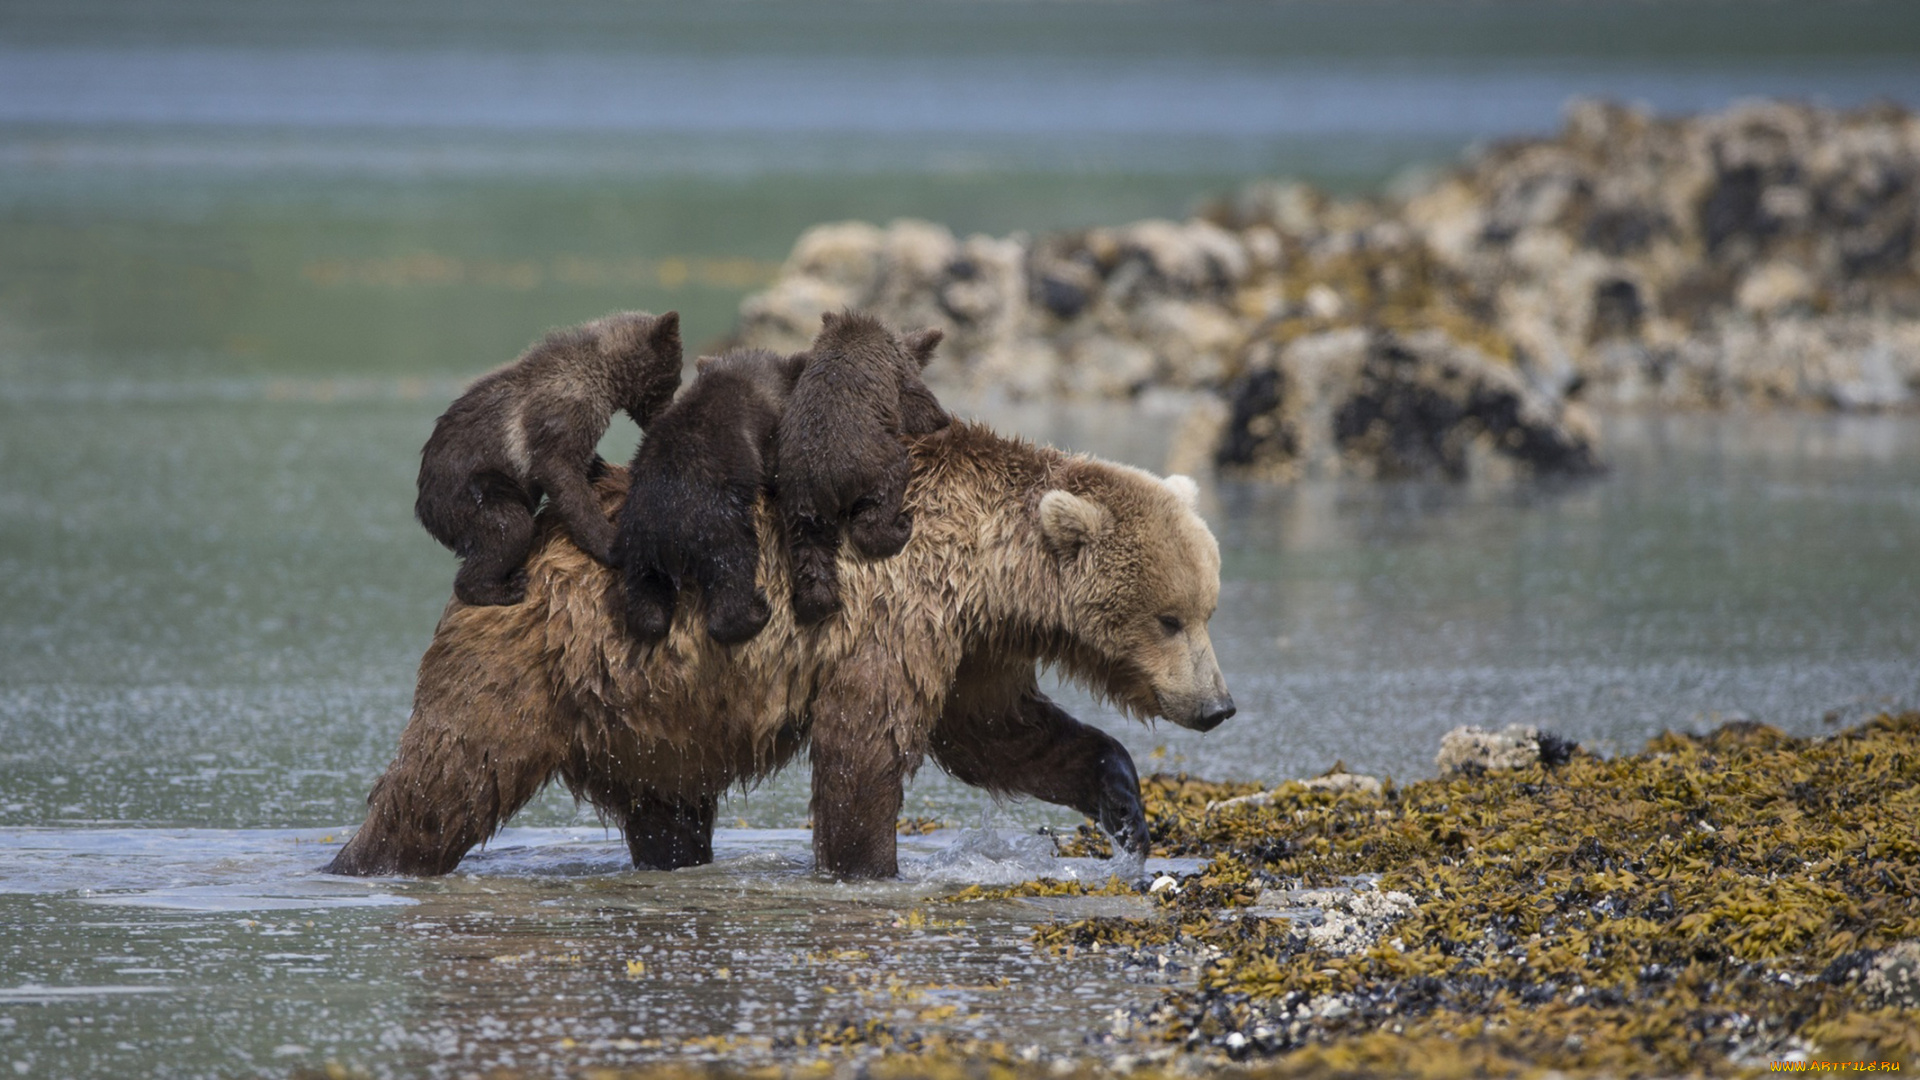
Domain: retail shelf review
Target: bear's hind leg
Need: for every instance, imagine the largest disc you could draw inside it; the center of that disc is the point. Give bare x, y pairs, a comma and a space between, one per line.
664, 832
485, 736
493, 570
1030, 746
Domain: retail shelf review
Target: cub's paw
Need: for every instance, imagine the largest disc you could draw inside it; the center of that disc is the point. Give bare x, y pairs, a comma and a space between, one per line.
881, 540
732, 620
814, 601
648, 621
504, 592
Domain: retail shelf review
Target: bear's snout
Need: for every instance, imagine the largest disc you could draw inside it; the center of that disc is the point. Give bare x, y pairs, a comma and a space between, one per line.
1213, 713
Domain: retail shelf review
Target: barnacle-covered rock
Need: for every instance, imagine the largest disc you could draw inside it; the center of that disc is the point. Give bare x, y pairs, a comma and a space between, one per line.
1470, 748
1375, 403
1764, 255
1889, 978
1351, 920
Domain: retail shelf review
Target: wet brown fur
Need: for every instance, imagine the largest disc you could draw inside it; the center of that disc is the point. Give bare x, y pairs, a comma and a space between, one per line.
936, 655
841, 464
529, 430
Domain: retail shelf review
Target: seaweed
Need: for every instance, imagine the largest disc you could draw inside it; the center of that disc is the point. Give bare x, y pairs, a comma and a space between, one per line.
1701, 907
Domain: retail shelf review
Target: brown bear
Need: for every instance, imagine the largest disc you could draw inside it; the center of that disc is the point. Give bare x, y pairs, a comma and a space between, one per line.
528, 430
1025, 555
841, 464
694, 492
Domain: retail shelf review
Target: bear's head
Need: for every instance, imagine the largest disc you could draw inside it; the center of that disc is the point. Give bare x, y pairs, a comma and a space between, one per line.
1140, 576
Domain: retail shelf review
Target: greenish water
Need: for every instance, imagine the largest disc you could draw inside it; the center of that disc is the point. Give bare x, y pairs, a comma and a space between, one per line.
107, 283
249, 250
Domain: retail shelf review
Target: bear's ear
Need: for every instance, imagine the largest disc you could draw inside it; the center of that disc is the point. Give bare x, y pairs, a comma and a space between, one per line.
1069, 523
1184, 489
703, 363
921, 343
665, 335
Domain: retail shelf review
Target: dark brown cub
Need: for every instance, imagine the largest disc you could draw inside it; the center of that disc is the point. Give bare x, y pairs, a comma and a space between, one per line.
529, 430
841, 462
697, 478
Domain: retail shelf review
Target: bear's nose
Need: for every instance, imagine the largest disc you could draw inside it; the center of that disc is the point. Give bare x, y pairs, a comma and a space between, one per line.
1214, 713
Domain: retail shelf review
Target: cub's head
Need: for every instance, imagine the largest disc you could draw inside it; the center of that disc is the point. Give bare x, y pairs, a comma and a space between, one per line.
767, 372
1140, 577
644, 351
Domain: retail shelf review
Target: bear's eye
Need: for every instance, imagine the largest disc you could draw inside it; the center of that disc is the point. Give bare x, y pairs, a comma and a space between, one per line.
1172, 624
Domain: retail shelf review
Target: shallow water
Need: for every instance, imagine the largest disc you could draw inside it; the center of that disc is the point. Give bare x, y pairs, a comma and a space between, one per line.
184, 951
235, 289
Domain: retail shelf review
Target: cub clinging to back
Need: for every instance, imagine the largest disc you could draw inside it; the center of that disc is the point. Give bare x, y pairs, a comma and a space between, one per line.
841, 462
695, 482
528, 430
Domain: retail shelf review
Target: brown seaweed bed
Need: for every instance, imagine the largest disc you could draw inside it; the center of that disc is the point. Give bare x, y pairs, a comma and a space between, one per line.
1704, 907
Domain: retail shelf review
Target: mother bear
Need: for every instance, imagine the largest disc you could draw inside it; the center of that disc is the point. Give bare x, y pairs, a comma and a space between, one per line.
1021, 555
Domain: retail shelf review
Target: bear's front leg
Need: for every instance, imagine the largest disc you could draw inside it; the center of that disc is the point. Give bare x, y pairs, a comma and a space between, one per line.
1001, 733
571, 497
862, 726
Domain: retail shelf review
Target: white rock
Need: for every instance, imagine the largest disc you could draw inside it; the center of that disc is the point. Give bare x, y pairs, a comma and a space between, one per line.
1514, 747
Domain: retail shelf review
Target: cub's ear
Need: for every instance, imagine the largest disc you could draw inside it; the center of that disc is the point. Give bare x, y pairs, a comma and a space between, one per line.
1069, 523
665, 336
703, 363
921, 343
1184, 489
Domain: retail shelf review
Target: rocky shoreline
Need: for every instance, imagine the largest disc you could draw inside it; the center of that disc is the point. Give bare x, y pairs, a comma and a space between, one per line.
1767, 255
1705, 907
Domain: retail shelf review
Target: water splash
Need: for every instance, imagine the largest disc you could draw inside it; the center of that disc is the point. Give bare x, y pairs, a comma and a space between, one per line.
984, 855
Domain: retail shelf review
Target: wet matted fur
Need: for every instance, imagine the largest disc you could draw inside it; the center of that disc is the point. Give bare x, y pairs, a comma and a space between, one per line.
1021, 555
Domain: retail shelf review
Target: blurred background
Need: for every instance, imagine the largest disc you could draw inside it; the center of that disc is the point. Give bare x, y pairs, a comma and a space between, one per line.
249, 249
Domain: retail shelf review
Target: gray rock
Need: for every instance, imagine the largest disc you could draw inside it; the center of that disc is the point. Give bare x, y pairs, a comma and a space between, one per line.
1470, 748
1373, 403
1768, 254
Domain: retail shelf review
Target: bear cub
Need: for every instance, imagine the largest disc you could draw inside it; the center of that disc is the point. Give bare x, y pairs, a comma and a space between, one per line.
695, 483
529, 430
841, 463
